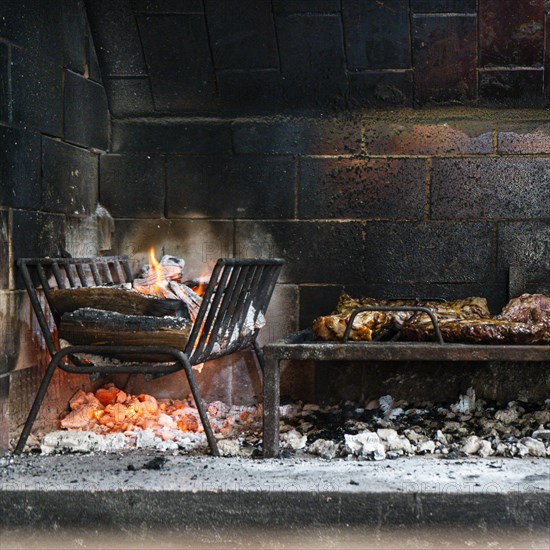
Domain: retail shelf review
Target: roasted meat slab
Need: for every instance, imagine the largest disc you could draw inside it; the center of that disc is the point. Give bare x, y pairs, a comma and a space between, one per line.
524, 320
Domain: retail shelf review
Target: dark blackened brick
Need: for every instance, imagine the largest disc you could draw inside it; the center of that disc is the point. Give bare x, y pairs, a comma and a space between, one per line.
525, 244
491, 188
132, 185
37, 93
526, 138
74, 35
178, 55
443, 6
421, 137
5, 85
172, 137
306, 6
547, 56
316, 252
129, 96
312, 60
168, 6
511, 88
242, 34
115, 32
4, 249
37, 234
86, 119
377, 34
444, 49
427, 252
511, 32
357, 188
4, 413
299, 136
93, 63
225, 187
20, 185
380, 89
69, 178
252, 90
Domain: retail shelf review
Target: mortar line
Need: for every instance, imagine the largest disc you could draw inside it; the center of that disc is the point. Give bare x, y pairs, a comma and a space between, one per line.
297, 177
274, 19
11, 266
144, 61
211, 50
495, 141
427, 190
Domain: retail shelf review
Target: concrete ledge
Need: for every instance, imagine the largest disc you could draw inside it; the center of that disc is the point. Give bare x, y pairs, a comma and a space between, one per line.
193, 492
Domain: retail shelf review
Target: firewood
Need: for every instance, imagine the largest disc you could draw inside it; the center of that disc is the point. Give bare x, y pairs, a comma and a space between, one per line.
188, 296
98, 327
117, 299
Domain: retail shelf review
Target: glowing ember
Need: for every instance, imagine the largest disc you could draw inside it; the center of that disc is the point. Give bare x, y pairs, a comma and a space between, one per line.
111, 410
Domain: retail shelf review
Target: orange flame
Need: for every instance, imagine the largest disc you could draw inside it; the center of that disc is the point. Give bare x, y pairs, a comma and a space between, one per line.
154, 264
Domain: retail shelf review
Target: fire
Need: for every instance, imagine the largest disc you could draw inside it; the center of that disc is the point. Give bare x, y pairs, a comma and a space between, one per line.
111, 410
154, 265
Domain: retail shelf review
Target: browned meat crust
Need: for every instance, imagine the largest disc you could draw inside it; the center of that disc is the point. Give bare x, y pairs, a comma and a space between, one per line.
527, 308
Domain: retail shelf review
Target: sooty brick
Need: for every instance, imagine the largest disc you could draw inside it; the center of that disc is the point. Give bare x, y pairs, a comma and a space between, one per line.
511, 32
37, 93
132, 185
4, 249
312, 60
20, 185
74, 35
306, 6
227, 187
362, 188
524, 138
491, 188
116, 34
242, 34
37, 234
93, 63
178, 55
129, 96
519, 88
443, 6
172, 136
547, 56
168, 6
69, 178
332, 136
251, 90
526, 244
444, 49
427, 252
86, 114
5, 84
377, 34
420, 137
380, 89
315, 252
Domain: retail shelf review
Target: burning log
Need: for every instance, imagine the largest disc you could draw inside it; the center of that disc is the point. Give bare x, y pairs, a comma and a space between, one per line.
99, 327
117, 299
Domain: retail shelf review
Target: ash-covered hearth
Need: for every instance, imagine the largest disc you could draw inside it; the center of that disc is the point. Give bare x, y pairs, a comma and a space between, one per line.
111, 420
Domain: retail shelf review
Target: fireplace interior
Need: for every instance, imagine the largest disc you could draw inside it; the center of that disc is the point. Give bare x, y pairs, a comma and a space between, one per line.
388, 149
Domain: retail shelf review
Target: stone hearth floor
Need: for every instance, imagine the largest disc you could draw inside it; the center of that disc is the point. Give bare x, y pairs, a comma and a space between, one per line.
154, 489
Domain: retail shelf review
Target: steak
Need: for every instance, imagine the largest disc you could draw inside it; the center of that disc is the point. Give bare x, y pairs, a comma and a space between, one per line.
527, 308
374, 324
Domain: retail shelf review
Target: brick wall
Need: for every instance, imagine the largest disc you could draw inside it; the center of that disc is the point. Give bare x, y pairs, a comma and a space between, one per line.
53, 126
185, 56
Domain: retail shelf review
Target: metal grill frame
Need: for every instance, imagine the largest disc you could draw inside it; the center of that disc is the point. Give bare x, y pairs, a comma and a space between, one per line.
223, 325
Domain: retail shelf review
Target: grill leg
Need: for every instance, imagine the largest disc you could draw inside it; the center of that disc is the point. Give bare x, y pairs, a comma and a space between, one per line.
212, 443
259, 355
271, 387
36, 405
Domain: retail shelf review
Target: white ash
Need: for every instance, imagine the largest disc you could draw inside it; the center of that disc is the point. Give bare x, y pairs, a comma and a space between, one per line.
366, 445
325, 448
293, 440
466, 403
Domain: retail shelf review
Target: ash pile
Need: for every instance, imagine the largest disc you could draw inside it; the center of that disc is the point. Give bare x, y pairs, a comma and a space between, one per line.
388, 429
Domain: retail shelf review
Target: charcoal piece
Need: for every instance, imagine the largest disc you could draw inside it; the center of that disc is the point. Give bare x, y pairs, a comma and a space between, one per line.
527, 308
